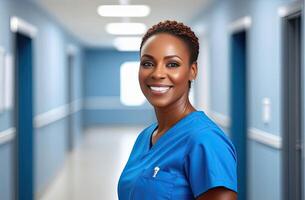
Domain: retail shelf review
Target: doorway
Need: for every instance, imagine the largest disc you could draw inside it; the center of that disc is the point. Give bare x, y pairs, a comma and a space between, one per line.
24, 117
202, 93
70, 89
292, 107
23, 34
238, 106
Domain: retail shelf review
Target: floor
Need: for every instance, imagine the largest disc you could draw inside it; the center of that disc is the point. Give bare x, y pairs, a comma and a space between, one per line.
93, 169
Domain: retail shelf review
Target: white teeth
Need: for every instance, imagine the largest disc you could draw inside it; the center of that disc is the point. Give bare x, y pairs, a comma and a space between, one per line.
160, 89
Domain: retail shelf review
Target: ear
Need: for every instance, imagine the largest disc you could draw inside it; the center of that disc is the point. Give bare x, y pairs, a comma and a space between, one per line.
194, 71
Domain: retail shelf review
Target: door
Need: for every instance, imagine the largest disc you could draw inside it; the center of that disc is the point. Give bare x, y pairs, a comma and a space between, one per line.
292, 107
238, 107
24, 117
70, 89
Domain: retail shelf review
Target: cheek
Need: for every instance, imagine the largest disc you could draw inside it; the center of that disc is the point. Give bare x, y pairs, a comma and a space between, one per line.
180, 78
141, 77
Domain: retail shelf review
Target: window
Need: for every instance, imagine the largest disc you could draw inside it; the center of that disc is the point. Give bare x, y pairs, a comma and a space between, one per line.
131, 94
6, 80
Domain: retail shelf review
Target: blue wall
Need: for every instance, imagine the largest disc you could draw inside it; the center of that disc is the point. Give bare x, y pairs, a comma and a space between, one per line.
50, 91
6, 172
6, 121
264, 80
102, 90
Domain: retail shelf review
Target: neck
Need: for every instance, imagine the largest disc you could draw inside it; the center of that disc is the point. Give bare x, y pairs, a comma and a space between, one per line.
170, 115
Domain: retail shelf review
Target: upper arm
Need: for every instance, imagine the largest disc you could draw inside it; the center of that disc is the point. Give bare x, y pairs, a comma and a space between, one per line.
218, 193
211, 163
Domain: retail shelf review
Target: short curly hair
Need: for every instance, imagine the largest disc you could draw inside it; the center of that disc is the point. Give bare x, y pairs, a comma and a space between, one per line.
177, 29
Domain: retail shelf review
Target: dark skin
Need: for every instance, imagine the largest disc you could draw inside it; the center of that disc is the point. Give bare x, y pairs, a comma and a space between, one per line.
165, 64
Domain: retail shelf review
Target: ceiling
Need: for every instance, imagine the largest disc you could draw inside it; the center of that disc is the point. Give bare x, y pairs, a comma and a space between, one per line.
81, 19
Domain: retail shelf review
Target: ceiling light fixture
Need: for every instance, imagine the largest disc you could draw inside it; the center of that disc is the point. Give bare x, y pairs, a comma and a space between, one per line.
123, 10
127, 43
126, 28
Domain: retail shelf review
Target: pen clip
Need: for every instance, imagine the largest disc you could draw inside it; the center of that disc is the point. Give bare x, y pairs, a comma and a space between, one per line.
156, 170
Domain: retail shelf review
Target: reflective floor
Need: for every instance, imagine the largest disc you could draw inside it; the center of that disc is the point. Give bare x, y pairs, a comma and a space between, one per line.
92, 170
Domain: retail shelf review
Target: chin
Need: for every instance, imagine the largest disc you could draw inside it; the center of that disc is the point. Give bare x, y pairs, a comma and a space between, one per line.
159, 103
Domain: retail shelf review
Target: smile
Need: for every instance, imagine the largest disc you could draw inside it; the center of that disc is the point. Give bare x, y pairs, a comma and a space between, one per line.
159, 90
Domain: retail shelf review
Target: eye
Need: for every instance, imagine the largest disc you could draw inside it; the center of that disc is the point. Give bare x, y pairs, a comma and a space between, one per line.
173, 64
146, 64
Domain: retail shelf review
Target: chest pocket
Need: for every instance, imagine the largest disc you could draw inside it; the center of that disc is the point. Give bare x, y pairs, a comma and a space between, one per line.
148, 187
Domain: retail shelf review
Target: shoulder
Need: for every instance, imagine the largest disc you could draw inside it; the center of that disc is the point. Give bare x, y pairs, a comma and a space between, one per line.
210, 160
208, 135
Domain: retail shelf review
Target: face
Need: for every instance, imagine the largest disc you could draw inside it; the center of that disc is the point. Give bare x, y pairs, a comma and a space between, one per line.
165, 70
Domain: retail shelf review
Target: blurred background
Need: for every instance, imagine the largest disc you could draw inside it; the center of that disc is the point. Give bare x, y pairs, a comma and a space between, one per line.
71, 107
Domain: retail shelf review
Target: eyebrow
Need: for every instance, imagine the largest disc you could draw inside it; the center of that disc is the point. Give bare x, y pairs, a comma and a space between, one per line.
166, 57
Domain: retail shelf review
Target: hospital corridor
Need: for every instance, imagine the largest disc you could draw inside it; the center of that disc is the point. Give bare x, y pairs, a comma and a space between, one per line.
77, 99
92, 171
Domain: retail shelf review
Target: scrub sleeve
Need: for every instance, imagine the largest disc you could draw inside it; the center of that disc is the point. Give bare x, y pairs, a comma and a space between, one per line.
210, 161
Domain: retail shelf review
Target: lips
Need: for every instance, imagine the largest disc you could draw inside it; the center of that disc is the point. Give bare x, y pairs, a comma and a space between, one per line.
159, 89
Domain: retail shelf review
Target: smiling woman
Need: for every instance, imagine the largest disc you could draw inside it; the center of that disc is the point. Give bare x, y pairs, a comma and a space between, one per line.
184, 155
165, 69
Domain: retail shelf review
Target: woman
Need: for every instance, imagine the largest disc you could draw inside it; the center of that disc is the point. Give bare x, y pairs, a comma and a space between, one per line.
184, 155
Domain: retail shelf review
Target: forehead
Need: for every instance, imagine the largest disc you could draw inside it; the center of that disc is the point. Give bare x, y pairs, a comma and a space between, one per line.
163, 44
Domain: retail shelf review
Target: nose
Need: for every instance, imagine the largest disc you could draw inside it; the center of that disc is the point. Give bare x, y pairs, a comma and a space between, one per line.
159, 72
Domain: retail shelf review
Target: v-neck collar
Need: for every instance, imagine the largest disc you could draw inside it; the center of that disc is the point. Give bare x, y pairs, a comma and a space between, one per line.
167, 133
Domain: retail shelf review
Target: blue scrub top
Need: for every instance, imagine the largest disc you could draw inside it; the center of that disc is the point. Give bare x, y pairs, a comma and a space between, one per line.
190, 158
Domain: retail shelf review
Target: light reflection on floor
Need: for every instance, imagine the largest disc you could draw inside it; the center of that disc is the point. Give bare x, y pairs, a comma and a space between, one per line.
92, 171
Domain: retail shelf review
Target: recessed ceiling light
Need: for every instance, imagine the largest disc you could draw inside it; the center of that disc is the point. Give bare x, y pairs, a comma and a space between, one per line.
126, 28
127, 43
123, 10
